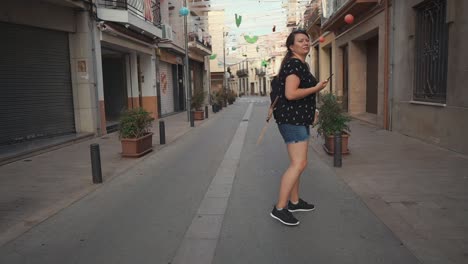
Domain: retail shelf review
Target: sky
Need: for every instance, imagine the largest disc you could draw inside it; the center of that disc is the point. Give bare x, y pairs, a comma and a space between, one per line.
258, 16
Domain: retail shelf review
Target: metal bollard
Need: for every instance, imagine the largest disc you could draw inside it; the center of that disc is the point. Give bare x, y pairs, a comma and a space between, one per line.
96, 163
206, 111
337, 150
192, 118
162, 132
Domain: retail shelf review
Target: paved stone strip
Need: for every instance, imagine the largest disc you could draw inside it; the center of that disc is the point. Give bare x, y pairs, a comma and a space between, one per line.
199, 243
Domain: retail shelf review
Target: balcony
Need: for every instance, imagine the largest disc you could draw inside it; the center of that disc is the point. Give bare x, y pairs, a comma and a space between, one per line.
242, 73
198, 42
260, 72
138, 15
336, 10
313, 18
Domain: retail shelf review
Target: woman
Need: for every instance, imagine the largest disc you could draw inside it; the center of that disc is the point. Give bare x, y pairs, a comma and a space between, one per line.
294, 113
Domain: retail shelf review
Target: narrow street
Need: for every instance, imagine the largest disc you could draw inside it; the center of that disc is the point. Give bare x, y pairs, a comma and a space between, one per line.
160, 211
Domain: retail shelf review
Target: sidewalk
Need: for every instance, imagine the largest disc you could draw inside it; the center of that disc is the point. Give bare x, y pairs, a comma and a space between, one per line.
35, 188
420, 191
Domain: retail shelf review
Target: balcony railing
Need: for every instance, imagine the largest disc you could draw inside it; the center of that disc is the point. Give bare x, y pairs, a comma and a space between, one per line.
330, 7
193, 36
334, 12
313, 14
149, 11
242, 73
260, 72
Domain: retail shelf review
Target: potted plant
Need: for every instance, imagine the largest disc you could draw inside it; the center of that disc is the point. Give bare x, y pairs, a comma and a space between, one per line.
217, 101
332, 119
135, 132
198, 98
231, 96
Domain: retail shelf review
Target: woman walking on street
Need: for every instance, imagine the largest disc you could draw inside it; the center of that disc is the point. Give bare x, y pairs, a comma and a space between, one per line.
294, 113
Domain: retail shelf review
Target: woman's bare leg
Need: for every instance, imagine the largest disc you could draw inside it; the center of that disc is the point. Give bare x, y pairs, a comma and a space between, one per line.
294, 197
298, 162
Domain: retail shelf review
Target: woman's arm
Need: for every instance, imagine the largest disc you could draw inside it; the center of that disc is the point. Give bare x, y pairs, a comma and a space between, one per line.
292, 91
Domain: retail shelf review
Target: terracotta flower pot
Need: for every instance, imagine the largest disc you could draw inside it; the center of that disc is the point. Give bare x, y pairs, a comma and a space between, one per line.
137, 147
329, 145
199, 115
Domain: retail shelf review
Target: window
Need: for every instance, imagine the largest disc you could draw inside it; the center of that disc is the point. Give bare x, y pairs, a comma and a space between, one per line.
431, 52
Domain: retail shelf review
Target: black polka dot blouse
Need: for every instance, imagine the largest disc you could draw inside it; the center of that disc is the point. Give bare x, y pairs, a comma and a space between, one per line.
299, 112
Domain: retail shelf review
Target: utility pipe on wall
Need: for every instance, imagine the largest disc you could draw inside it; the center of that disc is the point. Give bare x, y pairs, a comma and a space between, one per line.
386, 65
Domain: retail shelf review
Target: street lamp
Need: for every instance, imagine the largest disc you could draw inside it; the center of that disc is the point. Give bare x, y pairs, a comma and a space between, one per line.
184, 11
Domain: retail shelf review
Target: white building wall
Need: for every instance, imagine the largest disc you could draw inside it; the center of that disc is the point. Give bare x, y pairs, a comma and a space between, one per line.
215, 27
148, 78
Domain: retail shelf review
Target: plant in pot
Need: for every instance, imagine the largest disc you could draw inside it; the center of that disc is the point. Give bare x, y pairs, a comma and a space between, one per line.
198, 98
135, 132
231, 96
214, 102
217, 101
332, 119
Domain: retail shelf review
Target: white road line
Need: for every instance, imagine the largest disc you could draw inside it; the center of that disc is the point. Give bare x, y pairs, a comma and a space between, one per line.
199, 243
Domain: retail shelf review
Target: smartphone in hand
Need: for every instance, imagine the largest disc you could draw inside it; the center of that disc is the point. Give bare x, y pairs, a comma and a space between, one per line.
328, 79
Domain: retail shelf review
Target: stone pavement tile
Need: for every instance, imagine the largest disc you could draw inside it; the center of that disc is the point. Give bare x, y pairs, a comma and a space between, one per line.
205, 227
37, 187
417, 189
219, 190
213, 206
195, 251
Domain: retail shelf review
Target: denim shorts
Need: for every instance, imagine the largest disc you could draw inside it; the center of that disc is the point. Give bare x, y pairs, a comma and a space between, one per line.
294, 134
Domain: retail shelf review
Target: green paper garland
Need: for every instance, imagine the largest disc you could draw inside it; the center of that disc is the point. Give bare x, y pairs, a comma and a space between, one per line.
251, 40
238, 20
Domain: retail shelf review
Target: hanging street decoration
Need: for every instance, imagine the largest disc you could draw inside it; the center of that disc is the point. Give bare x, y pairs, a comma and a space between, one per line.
349, 19
251, 40
264, 63
321, 39
213, 56
238, 20
183, 11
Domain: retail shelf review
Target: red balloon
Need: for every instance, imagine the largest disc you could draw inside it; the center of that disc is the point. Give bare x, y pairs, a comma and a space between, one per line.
349, 19
321, 39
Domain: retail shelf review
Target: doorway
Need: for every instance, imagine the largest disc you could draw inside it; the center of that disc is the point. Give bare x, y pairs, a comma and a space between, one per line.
372, 50
179, 89
115, 90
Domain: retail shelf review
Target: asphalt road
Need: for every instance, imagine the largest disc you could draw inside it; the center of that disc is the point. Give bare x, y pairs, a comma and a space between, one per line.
145, 214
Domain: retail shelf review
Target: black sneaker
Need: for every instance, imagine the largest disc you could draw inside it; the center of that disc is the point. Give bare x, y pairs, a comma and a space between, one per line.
301, 206
284, 216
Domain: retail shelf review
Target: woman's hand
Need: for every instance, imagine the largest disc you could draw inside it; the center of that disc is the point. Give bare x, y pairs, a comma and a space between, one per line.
321, 85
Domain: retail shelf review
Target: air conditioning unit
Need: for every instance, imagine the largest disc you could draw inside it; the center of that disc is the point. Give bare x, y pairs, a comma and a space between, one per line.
167, 32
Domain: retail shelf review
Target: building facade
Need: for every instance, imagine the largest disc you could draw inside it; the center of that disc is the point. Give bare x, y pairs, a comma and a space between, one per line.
71, 67
429, 93
354, 53
125, 57
396, 65
47, 74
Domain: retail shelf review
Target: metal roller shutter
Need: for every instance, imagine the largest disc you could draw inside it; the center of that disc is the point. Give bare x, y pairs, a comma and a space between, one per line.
167, 88
36, 98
